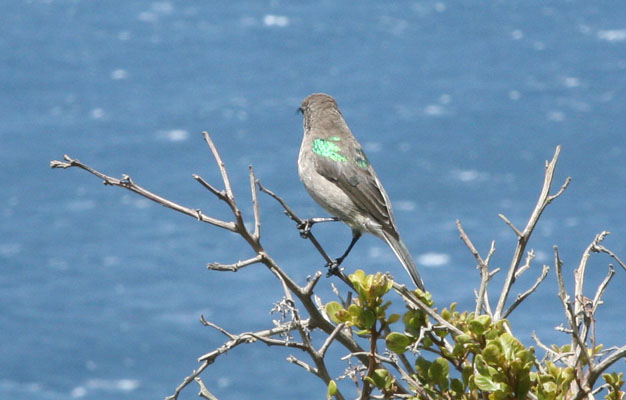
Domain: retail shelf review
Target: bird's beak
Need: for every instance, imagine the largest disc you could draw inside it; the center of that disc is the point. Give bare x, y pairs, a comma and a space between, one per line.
300, 110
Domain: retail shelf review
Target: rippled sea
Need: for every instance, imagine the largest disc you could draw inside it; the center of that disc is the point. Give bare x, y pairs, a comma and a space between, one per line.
458, 105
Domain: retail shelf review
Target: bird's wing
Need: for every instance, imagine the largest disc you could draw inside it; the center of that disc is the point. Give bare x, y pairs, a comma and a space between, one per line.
351, 171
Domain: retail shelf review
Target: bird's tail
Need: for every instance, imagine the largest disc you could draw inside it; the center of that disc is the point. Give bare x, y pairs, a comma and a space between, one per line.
405, 258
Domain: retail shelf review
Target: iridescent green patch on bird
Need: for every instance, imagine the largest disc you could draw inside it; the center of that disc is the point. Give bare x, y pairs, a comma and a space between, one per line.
334, 138
361, 159
328, 149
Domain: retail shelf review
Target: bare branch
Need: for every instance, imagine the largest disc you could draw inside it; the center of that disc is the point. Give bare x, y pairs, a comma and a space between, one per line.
299, 222
597, 299
561, 189
255, 204
601, 249
308, 289
510, 224
216, 327
127, 183
188, 380
236, 266
594, 373
582, 349
220, 165
204, 392
524, 236
522, 296
292, 359
220, 194
529, 258
322, 351
483, 266
540, 343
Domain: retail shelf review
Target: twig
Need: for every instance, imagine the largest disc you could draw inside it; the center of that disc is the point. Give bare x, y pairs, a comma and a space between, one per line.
216, 327
510, 224
597, 299
220, 194
220, 164
483, 266
292, 359
236, 266
255, 204
204, 392
601, 249
251, 337
291, 214
529, 258
188, 380
413, 300
308, 289
127, 183
544, 199
322, 351
594, 373
522, 296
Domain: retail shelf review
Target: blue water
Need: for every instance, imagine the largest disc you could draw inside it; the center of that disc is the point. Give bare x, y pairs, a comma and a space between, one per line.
457, 104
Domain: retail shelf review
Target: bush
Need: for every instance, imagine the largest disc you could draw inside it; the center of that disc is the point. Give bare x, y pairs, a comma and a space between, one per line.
423, 353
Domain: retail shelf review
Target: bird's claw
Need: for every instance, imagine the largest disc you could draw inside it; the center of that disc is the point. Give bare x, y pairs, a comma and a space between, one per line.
305, 228
333, 267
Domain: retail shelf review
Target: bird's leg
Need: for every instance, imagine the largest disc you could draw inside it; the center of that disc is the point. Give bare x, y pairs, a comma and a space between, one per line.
333, 267
305, 226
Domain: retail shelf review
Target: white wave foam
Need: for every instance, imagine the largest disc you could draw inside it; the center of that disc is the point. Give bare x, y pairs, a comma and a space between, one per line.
433, 259
612, 35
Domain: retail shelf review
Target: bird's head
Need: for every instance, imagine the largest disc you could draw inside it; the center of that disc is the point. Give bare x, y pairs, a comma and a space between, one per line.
317, 106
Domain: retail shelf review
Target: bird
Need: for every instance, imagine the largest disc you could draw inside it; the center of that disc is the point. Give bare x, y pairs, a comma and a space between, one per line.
337, 174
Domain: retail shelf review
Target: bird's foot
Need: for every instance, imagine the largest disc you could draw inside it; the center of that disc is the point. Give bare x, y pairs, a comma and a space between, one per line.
305, 228
333, 267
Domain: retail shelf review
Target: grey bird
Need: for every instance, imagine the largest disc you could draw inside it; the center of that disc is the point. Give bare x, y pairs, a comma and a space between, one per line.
339, 177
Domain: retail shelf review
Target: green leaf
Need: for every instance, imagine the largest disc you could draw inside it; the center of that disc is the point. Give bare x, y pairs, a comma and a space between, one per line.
331, 310
485, 320
422, 365
355, 310
479, 325
481, 365
463, 338
523, 387
492, 354
357, 276
332, 389
457, 386
393, 318
441, 332
363, 332
459, 350
467, 372
380, 378
509, 345
397, 342
435, 372
486, 383
439, 371
367, 319
609, 378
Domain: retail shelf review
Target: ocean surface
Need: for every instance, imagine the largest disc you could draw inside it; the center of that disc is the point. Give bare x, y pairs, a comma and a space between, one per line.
458, 104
